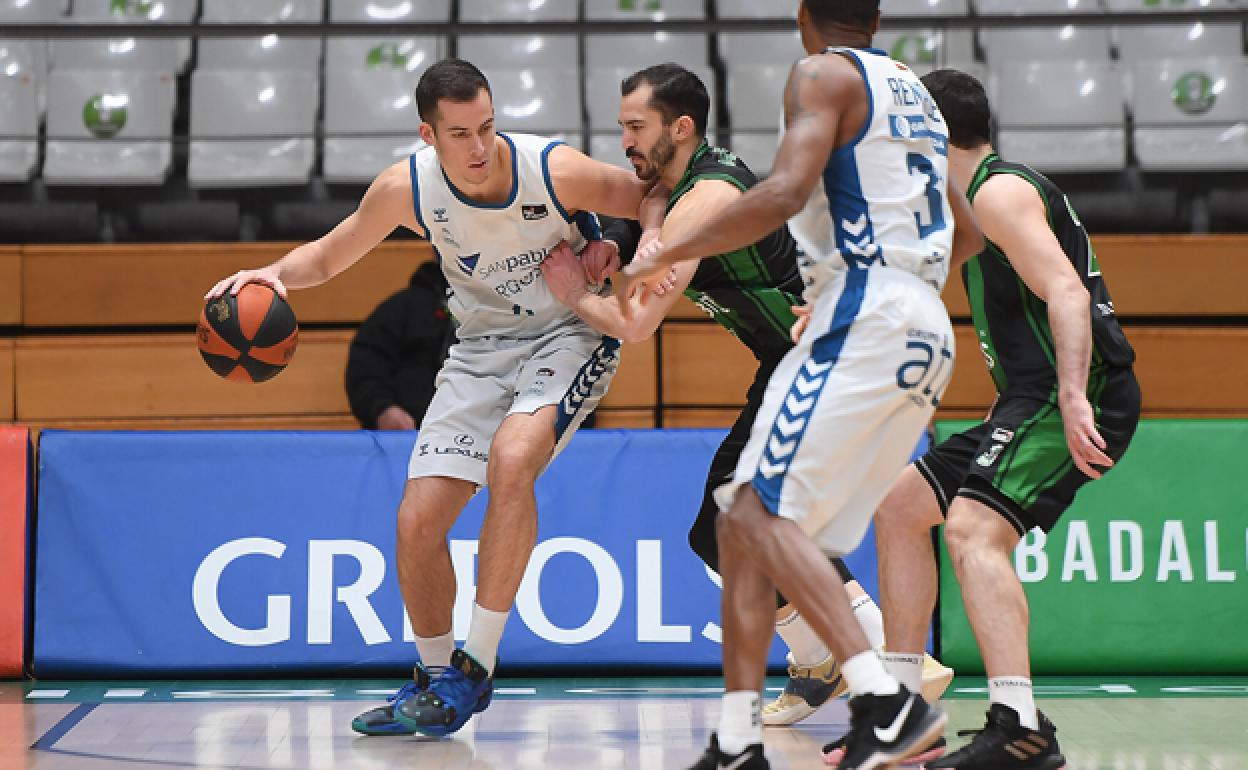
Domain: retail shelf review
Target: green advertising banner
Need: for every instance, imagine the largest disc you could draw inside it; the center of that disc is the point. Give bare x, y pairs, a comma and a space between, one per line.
1146, 573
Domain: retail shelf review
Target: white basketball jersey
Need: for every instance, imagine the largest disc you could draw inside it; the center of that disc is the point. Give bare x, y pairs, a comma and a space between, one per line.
882, 201
491, 253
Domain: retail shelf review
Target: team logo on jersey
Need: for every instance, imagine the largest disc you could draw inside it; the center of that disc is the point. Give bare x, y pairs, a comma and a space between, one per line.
439, 216
1003, 435
468, 263
534, 211
988, 458
449, 237
545, 372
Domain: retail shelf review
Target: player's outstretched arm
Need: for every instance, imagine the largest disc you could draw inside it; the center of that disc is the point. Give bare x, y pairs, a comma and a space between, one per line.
386, 205
584, 184
1013, 216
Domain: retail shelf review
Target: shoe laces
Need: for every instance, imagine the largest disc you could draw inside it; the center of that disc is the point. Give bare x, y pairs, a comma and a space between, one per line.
451, 684
406, 691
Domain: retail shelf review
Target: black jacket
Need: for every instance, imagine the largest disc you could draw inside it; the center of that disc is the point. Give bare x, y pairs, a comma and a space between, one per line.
399, 348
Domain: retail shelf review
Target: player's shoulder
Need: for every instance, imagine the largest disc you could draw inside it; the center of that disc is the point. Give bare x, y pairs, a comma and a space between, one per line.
717, 163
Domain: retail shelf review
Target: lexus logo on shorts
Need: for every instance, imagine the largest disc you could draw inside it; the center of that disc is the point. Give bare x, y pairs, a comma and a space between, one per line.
464, 439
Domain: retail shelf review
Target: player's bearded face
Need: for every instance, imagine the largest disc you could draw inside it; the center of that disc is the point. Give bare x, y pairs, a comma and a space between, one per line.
650, 164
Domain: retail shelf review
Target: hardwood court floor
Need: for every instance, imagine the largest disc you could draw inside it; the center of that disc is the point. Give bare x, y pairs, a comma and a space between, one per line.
1115, 723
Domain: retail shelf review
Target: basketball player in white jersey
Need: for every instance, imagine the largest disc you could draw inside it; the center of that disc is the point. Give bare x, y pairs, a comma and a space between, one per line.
861, 176
522, 376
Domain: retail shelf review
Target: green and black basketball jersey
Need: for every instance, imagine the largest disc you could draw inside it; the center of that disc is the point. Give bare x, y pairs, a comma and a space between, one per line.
751, 291
1013, 323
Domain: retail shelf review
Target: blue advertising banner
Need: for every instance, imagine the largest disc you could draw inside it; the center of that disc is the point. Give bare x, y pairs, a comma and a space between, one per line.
164, 553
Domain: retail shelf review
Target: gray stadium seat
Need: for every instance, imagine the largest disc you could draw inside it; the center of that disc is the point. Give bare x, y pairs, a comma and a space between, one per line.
19, 127
1025, 7
496, 51
607, 148
743, 49
927, 49
1061, 116
30, 12
536, 100
371, 122
1152, 6
109, 127
517, 10
642, 10
1178, 41
271, 52
756, 149
409, 54
602, 90
29, 58
252, 128
922, 8
383, 11
641, 50
1069, 43
756, 96
157, 12
262, 11
153, 54
1191, 114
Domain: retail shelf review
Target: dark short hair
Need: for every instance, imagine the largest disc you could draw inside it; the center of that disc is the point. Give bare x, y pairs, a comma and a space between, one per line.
964, 103
453, 79
860, 14
676, 92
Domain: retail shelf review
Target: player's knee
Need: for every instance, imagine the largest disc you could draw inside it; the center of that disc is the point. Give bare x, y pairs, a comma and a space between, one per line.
418, 524
514, 465
909, 505
965, 539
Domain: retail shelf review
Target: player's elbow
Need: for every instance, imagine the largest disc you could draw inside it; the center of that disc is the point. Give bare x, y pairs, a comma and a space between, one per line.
634, 333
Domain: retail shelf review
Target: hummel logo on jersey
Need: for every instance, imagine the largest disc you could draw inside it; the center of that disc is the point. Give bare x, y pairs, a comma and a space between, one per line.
890, 734
534, 211
439, 216
734, 764
468, 263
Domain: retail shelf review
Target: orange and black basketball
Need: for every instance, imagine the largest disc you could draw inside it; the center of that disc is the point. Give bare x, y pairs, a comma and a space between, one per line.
248, 337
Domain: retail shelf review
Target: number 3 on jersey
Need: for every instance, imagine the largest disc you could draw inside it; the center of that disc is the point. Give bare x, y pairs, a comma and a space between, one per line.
932, 218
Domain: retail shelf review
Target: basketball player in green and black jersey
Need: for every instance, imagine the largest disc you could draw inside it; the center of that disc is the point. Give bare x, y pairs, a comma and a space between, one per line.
751, 292
1067, 407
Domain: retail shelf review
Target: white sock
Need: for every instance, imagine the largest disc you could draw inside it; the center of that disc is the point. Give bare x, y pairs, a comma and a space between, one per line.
868, 614
906, 666
484, 634
1015, 692
436, 650
807, 648
865, 674
740, 721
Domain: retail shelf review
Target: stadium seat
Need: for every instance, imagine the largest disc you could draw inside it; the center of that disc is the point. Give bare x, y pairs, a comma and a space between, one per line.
252, 128
370, 122
19, 127
1062, 116
1025, 7
1153, 6
152, 54
602, 93
134, 11
29, 58
642, 50
30, 12
498, 51
644, 10
1191, 114
756, 96
271, 52
607, 148
748, 48
756, 149
927, 49
1179, 41
383, 11
262, 11
109, 127
517, 10
1069, 43
410, 54
536, 100
922, 8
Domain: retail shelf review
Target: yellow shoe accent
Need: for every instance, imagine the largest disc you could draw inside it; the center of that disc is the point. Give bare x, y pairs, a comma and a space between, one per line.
808, 688
936, 679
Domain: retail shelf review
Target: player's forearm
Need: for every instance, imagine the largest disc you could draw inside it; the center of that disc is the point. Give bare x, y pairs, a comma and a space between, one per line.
1071, 321
305, 266
745, 221
605, 316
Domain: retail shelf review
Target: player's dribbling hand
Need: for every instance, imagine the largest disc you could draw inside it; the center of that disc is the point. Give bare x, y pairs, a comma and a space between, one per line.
803, 320
1084, 440
600, 259
265, 275
645, 270
564, 274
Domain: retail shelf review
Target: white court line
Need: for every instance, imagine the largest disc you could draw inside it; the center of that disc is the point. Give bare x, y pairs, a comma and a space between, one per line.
46, 694
209, 694
125, 693
516, 691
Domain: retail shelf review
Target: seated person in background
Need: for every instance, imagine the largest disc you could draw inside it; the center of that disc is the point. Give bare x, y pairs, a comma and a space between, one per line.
397, 353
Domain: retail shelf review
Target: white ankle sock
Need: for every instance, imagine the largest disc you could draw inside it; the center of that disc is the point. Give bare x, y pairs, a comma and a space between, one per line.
436, 650
1015, 692
868, 614
484, 634
740, 721
865, 674
807, 648
907, 667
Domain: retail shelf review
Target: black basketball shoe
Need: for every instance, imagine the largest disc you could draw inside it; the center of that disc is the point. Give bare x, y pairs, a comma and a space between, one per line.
1004, 744
714, 759
885, 729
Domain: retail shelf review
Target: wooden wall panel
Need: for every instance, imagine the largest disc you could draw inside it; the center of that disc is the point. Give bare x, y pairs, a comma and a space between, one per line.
162, 376
6, 380
700, 418
624, 418
1161, 275
634, 385
10, 286
704, 365
154, 285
